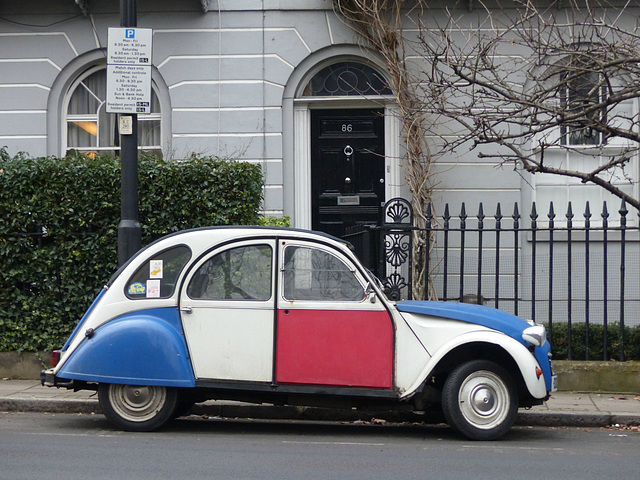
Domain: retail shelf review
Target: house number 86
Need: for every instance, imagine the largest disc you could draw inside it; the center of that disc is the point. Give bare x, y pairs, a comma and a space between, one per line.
347, 127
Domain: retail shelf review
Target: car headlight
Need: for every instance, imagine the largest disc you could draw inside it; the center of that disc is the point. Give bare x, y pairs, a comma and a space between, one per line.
535, 335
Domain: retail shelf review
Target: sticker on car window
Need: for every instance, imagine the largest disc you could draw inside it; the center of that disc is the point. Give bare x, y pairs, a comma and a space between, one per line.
155, 269
137, 288
153, 288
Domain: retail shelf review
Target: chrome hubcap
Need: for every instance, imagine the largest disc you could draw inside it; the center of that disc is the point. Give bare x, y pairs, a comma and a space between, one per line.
484, 399
135, 403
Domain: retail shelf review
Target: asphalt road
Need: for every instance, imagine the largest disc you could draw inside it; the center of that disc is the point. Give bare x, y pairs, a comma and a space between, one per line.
43, 446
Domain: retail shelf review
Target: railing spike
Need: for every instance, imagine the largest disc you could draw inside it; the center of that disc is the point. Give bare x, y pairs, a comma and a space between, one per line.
446, 217
516, 212
498, 215
623, 213
623, 208
569, 214
587, 216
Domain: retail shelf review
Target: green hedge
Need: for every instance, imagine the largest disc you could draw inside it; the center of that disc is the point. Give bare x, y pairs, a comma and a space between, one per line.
58, 229
559, 340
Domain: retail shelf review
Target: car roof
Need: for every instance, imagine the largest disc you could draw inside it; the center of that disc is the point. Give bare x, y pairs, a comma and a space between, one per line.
249, 230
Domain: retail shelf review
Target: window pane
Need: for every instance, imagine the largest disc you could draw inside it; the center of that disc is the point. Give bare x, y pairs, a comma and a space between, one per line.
89, 94
312, 274
581, 94
82, 134
242, 273
108, 133
157, 277
155, 103
148, 132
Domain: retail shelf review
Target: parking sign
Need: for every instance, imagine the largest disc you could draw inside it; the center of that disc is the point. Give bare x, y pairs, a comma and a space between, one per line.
129, 70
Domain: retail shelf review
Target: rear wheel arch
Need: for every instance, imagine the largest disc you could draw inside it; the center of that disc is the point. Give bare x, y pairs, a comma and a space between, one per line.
139, 347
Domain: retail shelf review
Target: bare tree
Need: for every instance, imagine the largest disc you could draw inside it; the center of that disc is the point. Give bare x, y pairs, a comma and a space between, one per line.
531, 83
380, 23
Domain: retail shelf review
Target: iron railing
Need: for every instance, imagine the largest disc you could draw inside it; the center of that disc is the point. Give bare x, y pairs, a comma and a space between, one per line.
554, 269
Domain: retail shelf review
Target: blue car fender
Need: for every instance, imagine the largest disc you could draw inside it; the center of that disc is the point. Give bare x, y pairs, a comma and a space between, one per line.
145, 347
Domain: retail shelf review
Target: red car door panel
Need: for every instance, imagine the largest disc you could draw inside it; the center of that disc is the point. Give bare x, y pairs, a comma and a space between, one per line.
335, 347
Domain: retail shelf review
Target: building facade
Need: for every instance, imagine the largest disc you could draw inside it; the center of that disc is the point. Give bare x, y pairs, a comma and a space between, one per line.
285, 84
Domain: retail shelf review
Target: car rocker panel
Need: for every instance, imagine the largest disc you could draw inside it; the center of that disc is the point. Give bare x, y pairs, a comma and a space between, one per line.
268, 311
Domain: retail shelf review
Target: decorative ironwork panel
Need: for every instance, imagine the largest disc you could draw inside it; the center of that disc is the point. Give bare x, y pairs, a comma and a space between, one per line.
397, 228
346, 78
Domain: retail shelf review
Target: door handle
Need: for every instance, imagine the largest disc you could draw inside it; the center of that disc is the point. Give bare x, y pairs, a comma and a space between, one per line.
347, 180
186, 309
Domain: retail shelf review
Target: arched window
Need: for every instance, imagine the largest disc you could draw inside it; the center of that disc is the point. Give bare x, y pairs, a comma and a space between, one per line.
346, 78
91, 130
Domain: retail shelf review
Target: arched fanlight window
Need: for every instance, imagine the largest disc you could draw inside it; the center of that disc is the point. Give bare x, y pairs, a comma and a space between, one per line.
346, 78
91, 130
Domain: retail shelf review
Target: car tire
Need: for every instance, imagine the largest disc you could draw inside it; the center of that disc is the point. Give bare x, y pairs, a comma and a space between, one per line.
480, 400
137, 408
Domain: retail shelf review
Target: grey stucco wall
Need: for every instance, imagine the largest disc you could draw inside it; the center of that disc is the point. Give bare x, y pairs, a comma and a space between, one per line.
227, 80
224, 73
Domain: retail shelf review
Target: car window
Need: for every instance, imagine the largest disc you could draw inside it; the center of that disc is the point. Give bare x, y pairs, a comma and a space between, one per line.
241, 273
156, 278
313, 274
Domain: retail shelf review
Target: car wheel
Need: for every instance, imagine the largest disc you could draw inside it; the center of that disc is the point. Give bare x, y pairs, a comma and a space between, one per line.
480, 400
137, 408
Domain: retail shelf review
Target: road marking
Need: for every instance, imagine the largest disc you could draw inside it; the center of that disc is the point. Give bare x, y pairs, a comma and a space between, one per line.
361, 444
501, 447
95, 434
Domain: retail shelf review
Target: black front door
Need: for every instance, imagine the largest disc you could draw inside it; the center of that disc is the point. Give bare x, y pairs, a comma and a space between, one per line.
347, 168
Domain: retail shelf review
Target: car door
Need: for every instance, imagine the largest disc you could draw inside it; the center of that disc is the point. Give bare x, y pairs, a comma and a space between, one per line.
227, 309
329, 331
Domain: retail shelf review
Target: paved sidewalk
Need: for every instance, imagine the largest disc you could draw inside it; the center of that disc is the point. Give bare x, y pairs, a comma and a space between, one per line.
562, 409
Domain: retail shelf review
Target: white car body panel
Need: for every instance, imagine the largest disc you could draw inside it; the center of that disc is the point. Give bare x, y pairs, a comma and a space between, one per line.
411, 355
234, 344
441, 336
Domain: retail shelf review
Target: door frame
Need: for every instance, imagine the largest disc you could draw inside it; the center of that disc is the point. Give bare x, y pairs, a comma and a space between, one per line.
202, 317
330, 327
302, 149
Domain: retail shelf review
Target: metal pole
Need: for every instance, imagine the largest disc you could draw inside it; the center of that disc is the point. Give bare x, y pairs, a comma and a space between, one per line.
129, 231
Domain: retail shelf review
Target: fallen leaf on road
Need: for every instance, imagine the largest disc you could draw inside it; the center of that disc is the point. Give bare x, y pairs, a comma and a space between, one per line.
629, 428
